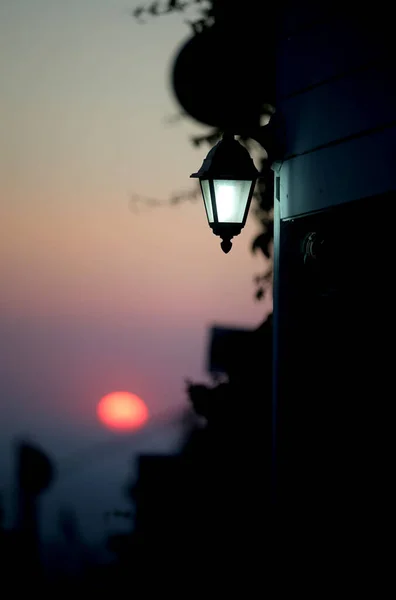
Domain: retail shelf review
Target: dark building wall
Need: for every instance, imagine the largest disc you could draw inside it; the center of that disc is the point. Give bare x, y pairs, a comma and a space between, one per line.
334, 314
336, 96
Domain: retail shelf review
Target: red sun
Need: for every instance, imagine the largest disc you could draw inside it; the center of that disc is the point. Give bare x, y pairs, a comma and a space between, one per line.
122, 411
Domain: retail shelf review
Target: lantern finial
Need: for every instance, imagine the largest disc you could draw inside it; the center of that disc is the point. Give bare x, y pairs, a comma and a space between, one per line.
226, 245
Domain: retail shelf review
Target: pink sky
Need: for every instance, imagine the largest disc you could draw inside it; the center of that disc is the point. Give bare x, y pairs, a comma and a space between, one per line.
94, 297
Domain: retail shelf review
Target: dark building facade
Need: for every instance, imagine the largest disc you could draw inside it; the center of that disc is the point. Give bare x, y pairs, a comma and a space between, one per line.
334, 315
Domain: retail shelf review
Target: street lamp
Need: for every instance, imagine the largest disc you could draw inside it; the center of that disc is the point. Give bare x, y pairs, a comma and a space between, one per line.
227, 177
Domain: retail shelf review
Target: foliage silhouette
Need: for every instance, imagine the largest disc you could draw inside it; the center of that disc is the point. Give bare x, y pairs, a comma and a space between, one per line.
205, 14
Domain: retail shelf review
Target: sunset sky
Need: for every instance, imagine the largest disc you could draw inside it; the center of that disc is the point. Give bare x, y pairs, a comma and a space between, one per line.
95, 298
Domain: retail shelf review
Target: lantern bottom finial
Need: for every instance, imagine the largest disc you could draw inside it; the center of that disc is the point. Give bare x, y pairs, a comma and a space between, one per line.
226, 245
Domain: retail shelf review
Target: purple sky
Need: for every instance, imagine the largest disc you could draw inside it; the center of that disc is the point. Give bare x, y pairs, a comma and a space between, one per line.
93, 297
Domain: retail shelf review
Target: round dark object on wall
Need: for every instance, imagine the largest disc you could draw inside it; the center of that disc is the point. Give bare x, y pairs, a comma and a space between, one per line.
223, 80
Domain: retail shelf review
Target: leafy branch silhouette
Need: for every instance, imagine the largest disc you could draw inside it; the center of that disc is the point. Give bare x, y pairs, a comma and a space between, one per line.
203, 8
203, 18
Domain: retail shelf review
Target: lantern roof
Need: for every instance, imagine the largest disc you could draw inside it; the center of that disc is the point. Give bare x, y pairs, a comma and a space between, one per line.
228, 159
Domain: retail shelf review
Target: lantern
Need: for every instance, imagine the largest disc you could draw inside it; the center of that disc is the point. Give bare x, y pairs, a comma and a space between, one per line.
227, 177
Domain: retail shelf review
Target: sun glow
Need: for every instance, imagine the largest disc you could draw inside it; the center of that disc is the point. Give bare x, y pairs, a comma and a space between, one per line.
122, 411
